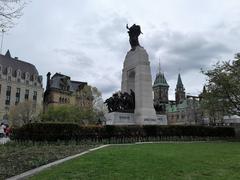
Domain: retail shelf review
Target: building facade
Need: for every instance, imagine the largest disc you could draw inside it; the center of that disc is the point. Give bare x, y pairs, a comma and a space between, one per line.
19, 82
184, 110
61, 90
160, 90
187, 112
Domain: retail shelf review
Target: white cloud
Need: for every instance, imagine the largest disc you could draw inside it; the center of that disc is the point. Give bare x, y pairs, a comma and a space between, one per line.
87, 40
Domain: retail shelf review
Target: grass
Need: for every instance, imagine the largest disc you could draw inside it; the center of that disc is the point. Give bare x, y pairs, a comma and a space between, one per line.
153, 161
16, 158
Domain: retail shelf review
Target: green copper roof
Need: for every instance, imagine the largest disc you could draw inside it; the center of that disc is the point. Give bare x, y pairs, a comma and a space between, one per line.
160, 80
187, 103
179, 82
176, 108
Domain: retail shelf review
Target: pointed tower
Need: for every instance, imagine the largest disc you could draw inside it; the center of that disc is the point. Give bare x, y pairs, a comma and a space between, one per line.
160, 89
8, 54
179, 91
202, 94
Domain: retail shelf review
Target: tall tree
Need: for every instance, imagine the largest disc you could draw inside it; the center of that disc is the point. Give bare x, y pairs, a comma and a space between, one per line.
23, 113
222, 95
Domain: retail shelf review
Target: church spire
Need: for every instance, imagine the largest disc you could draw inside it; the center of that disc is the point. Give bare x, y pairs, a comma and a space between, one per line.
8, 54
159, 66
179, 82
180, 91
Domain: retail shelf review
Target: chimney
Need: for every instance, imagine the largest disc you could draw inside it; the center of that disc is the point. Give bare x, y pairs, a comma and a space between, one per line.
48, 80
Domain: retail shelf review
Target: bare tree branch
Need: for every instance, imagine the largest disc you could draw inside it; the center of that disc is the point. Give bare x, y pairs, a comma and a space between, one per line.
10, 11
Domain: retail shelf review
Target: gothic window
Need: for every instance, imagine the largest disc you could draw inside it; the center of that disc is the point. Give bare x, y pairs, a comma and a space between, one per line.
34, 77
26, 94
18, 96
27, 76
35, 96
18, 73
8, 95
9, 70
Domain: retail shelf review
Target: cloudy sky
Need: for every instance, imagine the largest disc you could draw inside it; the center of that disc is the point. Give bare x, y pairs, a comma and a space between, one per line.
88, 40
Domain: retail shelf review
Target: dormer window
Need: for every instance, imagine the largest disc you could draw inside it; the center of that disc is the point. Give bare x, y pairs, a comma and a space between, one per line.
40, 79
34, 77
9, 70
18, 73
27, 76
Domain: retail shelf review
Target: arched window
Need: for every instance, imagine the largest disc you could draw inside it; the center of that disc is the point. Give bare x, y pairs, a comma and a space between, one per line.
27, 76
34, 77
9, 70
18, 73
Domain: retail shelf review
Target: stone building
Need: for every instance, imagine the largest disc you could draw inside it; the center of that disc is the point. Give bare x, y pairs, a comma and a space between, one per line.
185, 113
61, 90
19, 82
160, 90
184, 110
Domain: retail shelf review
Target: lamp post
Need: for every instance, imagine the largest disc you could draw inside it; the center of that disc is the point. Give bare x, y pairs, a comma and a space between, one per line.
3, 31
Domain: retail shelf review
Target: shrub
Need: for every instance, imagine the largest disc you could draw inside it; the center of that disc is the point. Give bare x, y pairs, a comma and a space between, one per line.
71, 131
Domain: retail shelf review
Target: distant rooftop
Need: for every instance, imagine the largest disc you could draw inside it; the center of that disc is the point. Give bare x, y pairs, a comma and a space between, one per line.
160, 80
8, 61
58, 80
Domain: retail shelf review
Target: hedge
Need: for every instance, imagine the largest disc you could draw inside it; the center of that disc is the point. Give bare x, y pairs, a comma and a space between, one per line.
69, 131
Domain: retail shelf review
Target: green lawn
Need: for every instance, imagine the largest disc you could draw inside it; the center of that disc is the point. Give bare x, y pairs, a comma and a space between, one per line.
153, 161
